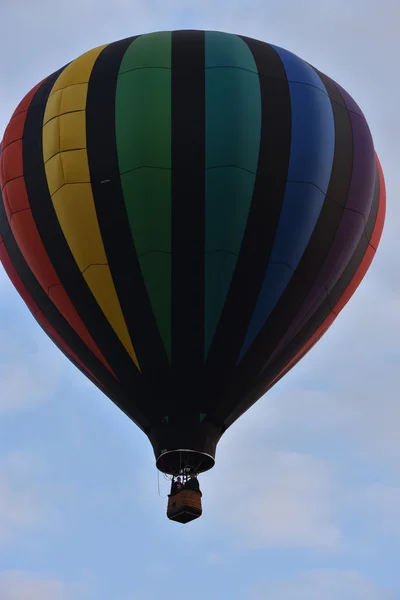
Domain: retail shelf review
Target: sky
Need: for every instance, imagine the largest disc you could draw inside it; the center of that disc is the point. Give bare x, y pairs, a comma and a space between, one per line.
81, 517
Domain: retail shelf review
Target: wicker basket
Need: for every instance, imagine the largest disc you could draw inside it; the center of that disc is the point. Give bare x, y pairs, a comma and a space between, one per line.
184, 506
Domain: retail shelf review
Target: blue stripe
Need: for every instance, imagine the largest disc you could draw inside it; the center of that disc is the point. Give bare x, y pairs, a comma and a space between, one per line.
233, 131
310, 165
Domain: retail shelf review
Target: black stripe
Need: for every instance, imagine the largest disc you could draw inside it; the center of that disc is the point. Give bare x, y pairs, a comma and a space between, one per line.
265, 208
335, 294
322, 237
188, 221
316, 320
333, 297
111, 386
4, 224
59, 253
313, 258
114, 224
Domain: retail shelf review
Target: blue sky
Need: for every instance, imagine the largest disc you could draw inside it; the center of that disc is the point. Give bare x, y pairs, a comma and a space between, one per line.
80, 513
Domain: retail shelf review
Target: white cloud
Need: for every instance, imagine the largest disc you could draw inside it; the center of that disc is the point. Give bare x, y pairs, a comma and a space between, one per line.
327, 584
20, 585
270, 498
381, 506
341, 405
346, 389
28, 381
26, 507
28, 376
30, 366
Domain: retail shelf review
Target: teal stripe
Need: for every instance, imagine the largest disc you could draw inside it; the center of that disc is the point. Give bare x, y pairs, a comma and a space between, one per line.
310, 166
143, 131
233, 130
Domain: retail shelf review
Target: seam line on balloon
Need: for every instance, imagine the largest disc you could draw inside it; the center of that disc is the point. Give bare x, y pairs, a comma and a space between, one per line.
12, 179
145, 167
69, 183
143, 69
94, 265
63, 151
61, 114
260, 75
329, 197
19, 211
231, 167
11, 143
68, 86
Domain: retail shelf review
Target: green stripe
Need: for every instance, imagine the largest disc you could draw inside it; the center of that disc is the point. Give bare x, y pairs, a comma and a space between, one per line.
143, 130
233, 128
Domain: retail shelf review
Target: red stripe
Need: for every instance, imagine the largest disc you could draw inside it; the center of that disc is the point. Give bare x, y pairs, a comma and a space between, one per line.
16, 203
15, 280
37, 313
354, 283
380, 219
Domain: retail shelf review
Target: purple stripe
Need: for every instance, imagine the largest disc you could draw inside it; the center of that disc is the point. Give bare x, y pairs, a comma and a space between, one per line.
352, 224
348, 235
361, 190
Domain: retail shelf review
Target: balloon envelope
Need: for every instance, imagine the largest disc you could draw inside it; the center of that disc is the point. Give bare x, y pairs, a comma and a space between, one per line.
185, 214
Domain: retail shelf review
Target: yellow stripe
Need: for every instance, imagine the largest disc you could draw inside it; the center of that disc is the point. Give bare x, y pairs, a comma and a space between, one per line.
67, 172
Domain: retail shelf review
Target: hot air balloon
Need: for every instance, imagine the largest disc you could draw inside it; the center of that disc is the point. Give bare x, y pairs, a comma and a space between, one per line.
185, 214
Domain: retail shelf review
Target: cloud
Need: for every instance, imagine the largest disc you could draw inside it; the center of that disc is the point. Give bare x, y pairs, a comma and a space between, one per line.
26, 506
20, 585
381, 506
28, 381
346, 389
328, 584
31, 368
269, 498
339, 404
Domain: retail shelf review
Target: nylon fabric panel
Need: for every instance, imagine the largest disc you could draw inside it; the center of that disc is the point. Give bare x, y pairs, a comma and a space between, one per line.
357, 207
188, 227
233, 131
67, 172
313, 128
143, 135
115, 228
17, 208
243, 389
355, 282
346, 285
40, 302
40, 317
273, 158
62, 259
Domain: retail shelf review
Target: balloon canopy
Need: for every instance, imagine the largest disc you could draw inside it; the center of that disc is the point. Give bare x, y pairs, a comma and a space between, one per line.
185, 214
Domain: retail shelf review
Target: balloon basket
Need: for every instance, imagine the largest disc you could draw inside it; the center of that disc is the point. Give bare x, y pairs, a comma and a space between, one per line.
185, 506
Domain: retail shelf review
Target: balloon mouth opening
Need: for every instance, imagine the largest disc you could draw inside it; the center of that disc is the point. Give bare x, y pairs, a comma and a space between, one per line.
174, 462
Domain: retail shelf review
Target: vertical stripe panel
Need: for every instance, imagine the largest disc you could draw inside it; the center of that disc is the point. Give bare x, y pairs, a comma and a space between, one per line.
352, 224
233, 131
225, 382
115, 228
310, 166
143, 134
16, 210
188, 223
376, 226
67, 172
41, 319
59, 253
